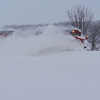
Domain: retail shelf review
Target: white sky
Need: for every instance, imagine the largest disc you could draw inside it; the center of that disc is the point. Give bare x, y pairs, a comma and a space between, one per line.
40, 11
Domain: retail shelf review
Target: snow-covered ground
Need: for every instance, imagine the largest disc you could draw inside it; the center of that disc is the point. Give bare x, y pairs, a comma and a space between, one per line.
67, 75
42, 67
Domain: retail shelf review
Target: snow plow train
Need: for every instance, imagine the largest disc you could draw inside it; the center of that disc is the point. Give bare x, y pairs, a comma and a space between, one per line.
77, 34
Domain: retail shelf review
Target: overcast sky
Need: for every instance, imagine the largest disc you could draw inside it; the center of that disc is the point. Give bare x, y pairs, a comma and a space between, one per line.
40, 11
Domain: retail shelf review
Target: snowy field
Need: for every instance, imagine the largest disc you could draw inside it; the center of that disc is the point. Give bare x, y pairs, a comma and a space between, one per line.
67, 75
47, 67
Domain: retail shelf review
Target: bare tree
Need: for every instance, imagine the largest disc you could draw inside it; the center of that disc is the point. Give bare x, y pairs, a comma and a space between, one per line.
94, 37
80, 16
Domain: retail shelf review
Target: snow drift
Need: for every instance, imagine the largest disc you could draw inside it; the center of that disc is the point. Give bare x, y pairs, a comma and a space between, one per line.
48, 39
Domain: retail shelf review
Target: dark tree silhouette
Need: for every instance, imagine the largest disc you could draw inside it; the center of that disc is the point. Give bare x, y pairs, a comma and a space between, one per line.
80, 16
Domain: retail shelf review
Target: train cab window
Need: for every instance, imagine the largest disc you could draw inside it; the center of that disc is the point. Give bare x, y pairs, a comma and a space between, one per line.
79, 34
